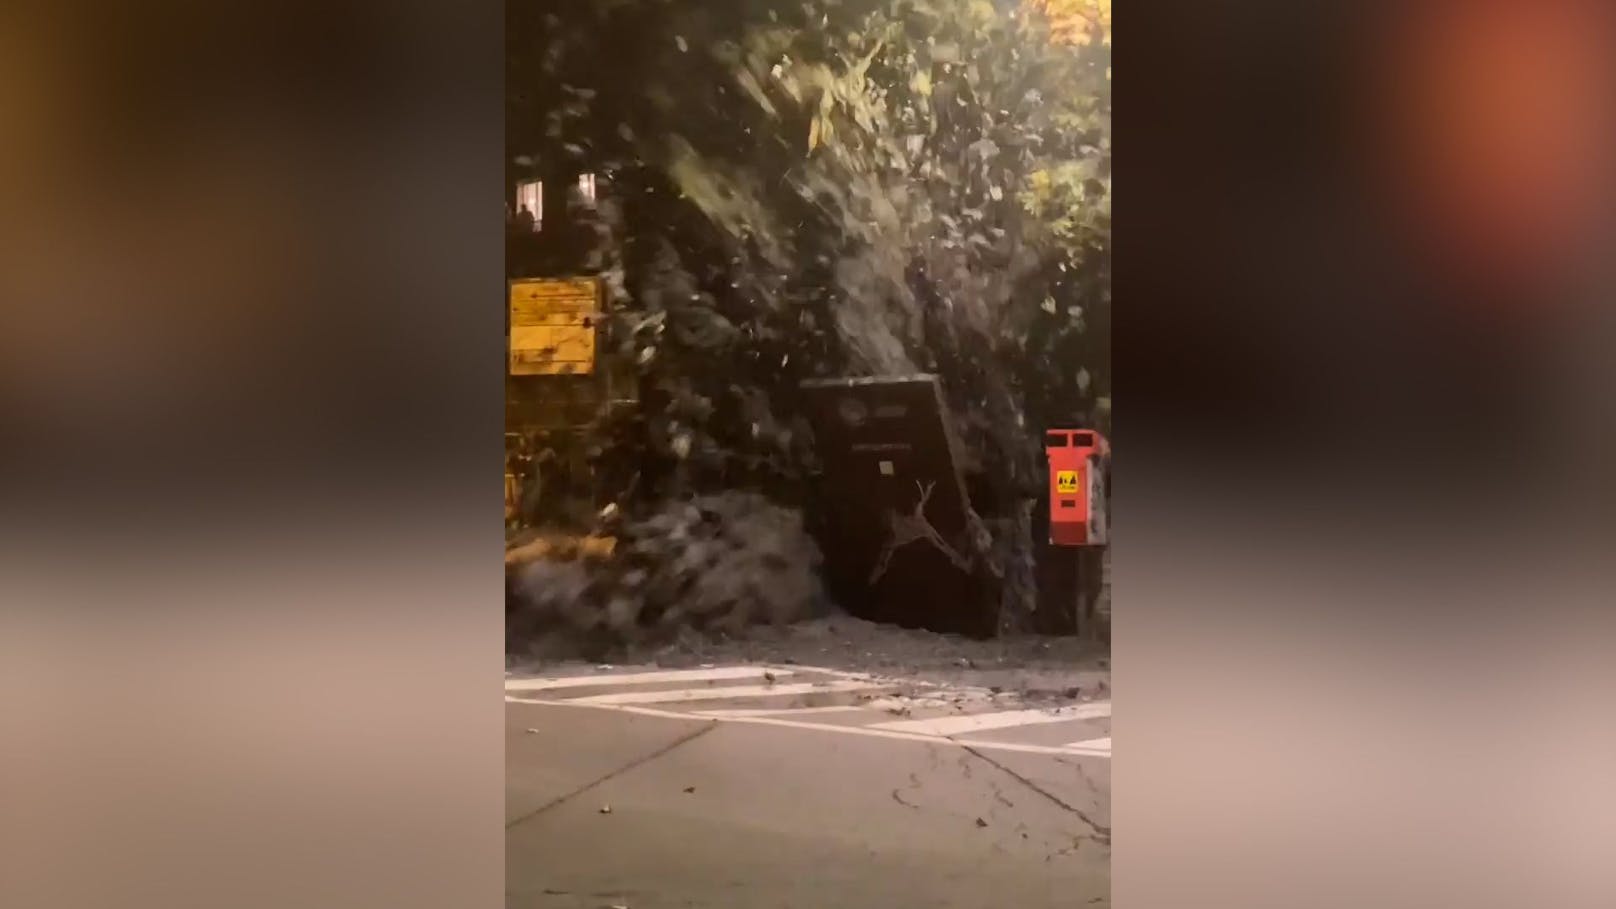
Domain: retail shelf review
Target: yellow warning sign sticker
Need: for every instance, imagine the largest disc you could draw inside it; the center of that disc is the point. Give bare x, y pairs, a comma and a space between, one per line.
1066, 481
553, 325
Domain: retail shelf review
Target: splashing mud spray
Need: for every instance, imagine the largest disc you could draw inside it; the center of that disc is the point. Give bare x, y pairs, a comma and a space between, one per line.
841, 190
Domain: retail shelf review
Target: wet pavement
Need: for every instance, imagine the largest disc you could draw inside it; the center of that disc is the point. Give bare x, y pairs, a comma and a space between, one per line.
649, 797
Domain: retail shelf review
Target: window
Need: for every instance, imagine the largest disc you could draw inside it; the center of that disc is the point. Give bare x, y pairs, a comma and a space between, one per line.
530, 197
586, 188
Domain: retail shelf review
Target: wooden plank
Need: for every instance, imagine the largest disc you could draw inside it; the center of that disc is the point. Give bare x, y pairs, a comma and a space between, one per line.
560, 548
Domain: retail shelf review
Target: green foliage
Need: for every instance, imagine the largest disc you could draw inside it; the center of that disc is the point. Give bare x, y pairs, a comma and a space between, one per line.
948, 130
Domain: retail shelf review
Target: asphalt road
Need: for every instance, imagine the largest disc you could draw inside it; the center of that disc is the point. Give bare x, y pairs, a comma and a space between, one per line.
609, 808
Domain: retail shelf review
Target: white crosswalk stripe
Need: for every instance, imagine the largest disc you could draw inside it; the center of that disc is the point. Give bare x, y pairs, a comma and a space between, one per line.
1093, 745
834, 701
725, 694
716, 674
981, 722
779, 711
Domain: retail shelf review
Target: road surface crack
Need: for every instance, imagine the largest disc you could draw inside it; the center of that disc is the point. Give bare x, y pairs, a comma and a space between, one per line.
637, 762
1102, 833
1082, 774
914, 783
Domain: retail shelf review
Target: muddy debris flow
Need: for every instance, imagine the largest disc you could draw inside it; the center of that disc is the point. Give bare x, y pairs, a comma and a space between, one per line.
709, 568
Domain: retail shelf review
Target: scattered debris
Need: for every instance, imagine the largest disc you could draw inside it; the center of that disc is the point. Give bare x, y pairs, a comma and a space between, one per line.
768, 677
605, 809
533, 732
689, 789
981, 823
1014, 666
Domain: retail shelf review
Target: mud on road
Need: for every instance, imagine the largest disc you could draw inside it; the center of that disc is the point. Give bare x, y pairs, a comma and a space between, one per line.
1033, 666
